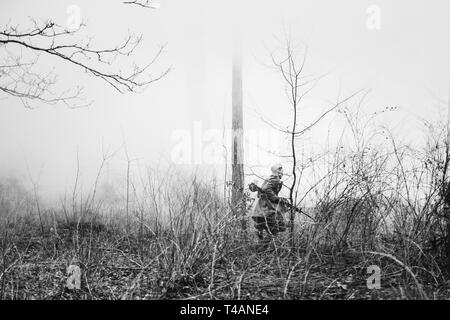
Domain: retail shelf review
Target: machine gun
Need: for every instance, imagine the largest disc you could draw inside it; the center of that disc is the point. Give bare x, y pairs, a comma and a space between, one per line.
255, 188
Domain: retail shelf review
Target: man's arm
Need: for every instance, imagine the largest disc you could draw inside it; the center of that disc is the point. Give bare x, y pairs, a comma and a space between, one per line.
268, 190
254, 188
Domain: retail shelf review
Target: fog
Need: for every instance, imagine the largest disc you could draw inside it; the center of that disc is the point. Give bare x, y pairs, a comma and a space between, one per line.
404, 62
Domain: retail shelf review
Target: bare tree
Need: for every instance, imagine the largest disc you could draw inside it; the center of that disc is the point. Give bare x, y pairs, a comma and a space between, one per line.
22, 48
297, 86
237, 143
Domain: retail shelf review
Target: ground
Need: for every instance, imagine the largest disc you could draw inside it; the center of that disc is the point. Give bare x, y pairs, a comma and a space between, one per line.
115, 265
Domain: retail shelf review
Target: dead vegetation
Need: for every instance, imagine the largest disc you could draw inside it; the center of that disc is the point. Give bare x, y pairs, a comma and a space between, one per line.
375, 205
181, 240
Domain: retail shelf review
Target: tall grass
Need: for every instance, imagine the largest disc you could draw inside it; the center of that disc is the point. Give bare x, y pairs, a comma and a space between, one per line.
175, 236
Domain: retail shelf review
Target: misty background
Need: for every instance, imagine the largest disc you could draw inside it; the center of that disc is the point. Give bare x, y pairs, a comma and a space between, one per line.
405, 64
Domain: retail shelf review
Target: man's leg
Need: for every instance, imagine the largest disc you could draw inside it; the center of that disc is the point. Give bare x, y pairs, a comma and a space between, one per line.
275, 225
259, 226
271, 226
280, 224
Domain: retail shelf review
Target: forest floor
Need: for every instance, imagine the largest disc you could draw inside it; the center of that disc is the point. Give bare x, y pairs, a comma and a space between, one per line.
115, 265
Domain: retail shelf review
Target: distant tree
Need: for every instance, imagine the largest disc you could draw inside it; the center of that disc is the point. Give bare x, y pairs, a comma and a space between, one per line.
237, 142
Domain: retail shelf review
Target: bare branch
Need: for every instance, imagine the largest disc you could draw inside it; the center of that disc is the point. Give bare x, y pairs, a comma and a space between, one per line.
145, 4
327, 112
18, 77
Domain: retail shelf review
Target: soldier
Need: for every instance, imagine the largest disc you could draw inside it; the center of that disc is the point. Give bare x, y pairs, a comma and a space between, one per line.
269, 207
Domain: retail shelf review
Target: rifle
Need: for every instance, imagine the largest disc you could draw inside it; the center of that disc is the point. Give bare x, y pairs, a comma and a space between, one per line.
255, 188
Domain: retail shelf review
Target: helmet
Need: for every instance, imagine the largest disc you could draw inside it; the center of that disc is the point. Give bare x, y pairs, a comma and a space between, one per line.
277, 169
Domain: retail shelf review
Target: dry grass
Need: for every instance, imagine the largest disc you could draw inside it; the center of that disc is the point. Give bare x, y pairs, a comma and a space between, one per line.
176, 237
199, 253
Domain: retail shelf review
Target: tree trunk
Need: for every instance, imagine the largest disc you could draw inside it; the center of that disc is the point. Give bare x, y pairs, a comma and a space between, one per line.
237, 128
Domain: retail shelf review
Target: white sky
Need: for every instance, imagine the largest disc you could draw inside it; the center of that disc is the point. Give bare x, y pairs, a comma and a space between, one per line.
406, 63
